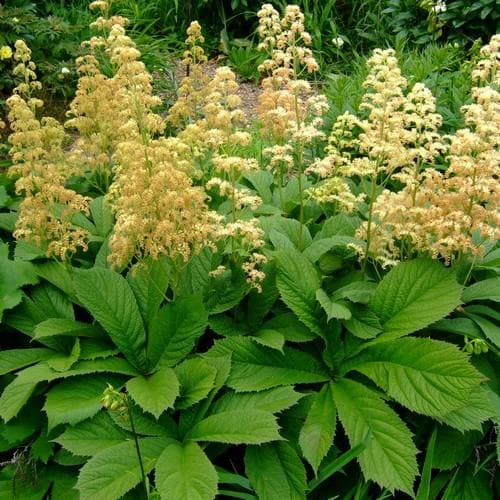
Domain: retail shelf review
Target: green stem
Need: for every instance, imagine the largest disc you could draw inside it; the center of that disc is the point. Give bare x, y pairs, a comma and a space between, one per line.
370, 219
138, 450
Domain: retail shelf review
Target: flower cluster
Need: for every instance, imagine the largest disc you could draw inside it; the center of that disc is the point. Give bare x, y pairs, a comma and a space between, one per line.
193, 88
40, 167
443, 214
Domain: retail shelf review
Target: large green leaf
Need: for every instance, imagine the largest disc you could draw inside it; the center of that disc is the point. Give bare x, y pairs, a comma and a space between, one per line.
197, 378
112, 472
478, 408
69, 327
390, 456
275, 471
93, 435
413, 295
488, 289
155, 393
108, 297
255, 367
337, 310
175, 330
237, 427
297, 281
318, 431
149, 282
72, 401
13, 275
273, 400
184, 472
427, 376
453, 447
17, 393
469, 484
14, 359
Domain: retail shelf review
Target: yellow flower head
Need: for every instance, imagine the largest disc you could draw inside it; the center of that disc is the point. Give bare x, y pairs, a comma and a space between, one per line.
5, 52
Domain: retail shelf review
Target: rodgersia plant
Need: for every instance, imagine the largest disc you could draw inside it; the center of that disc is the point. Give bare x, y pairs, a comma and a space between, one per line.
211, 331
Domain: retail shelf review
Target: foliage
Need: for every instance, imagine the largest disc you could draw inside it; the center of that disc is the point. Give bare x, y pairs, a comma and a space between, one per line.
194, 306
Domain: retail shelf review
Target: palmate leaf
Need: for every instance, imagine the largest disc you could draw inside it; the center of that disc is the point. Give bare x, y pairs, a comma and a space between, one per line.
297, 281
14, 359
149, 283
184, 472
255, 367
488, 289
196, 378
427, 376
390, 456
273, 400
318, 431
275, 471
413, 295
478, 408
112, 472
92, 436
237, 427
74, 400
108, 297
17, 393
155, 393
175, 330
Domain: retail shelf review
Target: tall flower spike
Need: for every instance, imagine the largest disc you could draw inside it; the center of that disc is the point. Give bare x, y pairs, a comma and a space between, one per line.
39, 164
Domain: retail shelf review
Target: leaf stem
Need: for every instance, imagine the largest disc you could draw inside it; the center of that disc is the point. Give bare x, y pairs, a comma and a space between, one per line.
137, 449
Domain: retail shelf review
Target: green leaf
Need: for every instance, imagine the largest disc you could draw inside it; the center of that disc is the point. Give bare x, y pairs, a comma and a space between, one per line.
423, 492
364, 323
357, 291
470, 416
256, 367
338, 225
290, 327
488, 289
69, 327
413, 295
275, 471
17, 393
269, 338
102, 216
390, 456
290, 228
58, 275
237, 427
297, 282
149, 282
454, 447
489, 329
175, 330
155, 393
427, 376
272, 400
93, 435
469, 484
72, 401
319, 247
333, 309
196, 378
184, 472
14, 359
317, 433
115, 470
63, 362
109, 298
145, 424
337, 464
52, 303
13, 275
